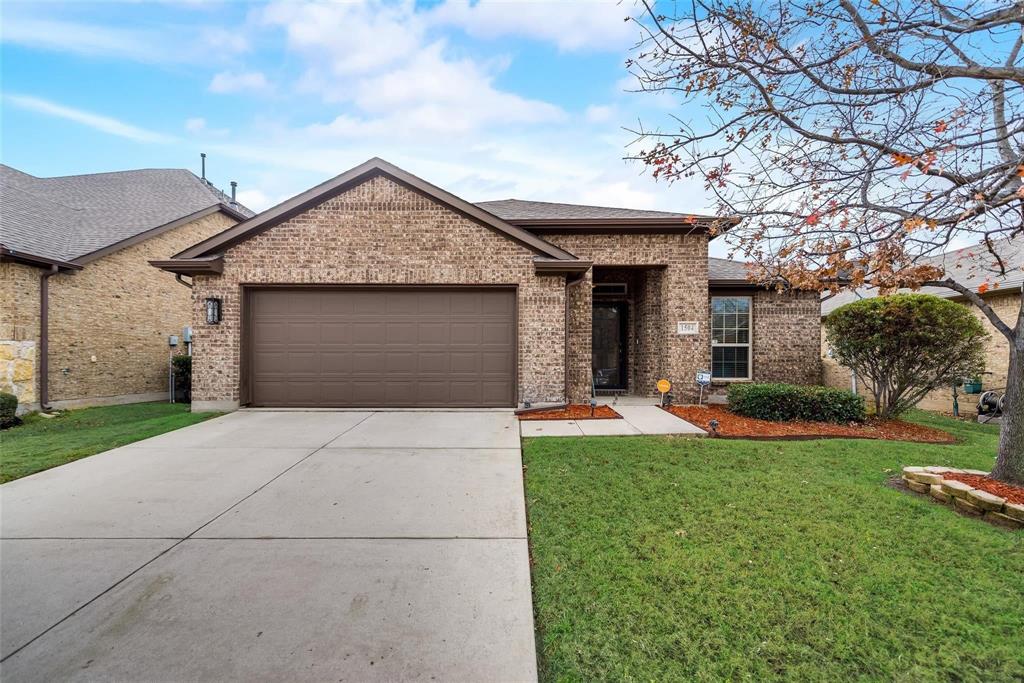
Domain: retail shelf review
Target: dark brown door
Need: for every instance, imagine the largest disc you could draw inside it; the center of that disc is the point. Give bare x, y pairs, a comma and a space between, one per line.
382, 347
609, 350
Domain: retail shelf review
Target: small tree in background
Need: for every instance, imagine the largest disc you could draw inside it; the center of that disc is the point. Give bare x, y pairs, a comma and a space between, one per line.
906, 345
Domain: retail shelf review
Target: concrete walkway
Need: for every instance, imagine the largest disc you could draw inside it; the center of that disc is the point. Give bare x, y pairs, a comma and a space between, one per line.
636, 420
275, 546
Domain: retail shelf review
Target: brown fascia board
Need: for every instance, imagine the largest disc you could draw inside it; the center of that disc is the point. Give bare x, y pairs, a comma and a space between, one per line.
191, 266
369, 169
555, 266
158, 230
13, 256
636, 225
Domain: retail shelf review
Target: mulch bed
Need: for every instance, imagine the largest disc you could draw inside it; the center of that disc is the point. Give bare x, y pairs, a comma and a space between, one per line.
1011, 492
735, 426
579, 411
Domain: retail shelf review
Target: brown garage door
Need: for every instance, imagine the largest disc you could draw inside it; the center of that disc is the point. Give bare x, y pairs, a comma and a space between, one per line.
382, 347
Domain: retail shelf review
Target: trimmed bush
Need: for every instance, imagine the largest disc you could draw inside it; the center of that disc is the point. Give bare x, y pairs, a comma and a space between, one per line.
785, 402
182, 377
8, 410
903, 346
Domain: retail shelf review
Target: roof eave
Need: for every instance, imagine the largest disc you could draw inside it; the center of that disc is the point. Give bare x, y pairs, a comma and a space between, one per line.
671, 225
544, 266
15, 256
158, 230
191, 266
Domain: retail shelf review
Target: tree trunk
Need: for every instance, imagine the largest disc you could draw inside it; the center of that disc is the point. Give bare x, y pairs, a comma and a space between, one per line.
1010, 460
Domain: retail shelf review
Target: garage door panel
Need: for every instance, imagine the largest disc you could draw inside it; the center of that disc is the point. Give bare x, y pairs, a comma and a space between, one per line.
465, 333
400, 363
495, 363
335, 332
465, 363
408, 347
401, 333
433, 333
369, 332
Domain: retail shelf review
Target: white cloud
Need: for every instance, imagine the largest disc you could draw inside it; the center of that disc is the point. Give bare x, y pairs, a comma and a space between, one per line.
98, 122
230, 82
577, 25
380, 59
599, 113
36, 25
195, 125
255, 199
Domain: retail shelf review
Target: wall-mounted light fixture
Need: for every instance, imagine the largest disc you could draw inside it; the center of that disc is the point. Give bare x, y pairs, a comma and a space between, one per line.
213, 311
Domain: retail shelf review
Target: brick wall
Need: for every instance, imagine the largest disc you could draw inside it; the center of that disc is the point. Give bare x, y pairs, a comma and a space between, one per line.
109, 322
997, 358
786, 332
679, 288
380, 232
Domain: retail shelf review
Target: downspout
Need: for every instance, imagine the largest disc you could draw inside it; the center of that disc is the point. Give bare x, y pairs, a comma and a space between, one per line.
178, 277
44, 338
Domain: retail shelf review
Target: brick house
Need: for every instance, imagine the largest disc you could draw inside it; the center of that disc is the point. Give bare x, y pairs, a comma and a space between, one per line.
969, 267
377, 288
84, 319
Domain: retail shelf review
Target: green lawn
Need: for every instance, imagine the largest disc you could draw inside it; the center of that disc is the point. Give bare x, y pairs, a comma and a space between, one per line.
41, 443
675, 559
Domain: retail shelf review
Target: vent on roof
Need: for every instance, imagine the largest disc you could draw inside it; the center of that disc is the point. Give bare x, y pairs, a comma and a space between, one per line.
606, 288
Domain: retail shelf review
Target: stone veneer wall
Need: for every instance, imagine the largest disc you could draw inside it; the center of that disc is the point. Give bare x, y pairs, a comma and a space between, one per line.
19, 331
380, 232
109, 322
997, 358
679, 287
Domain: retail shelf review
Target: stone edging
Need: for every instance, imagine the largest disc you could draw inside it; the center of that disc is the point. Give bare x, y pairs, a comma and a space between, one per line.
963, 497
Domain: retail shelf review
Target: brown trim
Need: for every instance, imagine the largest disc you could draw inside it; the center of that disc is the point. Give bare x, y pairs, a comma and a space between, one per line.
555, 266
374, 167
44, 337
160, 229
12, 256
245, 313
193, 266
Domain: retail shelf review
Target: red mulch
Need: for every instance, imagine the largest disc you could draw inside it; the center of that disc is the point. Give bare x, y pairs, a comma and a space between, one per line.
579, 411
1011, 492
735, 426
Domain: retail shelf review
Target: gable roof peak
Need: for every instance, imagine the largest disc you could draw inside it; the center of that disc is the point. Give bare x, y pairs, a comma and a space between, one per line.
356, 176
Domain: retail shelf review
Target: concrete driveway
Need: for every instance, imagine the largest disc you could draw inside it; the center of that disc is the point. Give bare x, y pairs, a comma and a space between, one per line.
342, 546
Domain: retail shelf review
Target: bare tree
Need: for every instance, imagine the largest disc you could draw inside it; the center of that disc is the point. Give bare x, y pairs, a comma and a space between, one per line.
855, 138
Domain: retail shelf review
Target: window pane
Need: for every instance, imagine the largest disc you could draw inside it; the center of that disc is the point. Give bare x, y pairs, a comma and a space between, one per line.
730, 362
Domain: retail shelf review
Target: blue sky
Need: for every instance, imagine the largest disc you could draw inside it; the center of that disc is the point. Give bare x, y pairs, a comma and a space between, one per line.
489, 101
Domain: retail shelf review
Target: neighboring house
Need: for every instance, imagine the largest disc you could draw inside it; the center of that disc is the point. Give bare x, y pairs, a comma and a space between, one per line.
84, 319
971, 267
377, 288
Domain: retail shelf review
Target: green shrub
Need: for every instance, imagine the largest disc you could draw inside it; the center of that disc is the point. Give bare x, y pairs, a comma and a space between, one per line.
903, 346
783, 402
8, 410
182, 377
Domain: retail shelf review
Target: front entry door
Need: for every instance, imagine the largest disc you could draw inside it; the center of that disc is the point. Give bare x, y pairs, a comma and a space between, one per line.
609, 350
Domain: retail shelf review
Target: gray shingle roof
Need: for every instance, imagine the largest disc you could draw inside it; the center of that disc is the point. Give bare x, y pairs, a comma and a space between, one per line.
68, 217
724, 269
970, 266
518, 209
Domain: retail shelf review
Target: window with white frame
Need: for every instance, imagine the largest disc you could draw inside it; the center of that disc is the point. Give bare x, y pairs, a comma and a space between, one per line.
730, 337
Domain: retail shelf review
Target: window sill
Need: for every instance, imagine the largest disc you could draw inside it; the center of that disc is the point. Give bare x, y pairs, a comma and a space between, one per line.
726, 380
